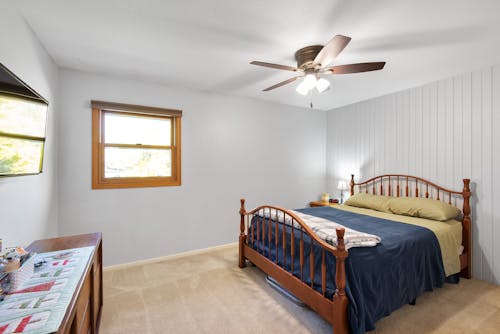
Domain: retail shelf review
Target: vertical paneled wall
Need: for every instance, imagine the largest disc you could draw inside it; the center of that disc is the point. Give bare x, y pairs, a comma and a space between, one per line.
444, 131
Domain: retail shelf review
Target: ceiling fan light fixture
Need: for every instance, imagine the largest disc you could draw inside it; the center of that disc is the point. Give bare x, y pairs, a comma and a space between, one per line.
314, 61
310, 81
307, 84
322, 84
302, 88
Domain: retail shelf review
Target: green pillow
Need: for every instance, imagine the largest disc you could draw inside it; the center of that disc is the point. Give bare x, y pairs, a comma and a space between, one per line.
369, 201
423, 208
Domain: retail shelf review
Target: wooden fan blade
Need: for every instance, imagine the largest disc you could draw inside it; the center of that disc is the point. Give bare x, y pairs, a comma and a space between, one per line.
356, 68
286, 82
276, 66
331, 50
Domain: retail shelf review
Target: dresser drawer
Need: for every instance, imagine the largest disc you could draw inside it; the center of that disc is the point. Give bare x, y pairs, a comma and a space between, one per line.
85, 326
97, 292
83, 311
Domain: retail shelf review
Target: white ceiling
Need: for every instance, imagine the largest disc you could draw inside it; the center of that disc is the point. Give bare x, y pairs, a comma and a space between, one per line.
207, 45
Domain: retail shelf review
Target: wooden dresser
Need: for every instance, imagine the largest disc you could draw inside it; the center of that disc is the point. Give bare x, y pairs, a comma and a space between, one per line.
83, 314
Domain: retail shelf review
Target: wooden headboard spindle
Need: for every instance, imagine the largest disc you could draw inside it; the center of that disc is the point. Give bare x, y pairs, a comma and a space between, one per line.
390, 190
351, 184
397, 189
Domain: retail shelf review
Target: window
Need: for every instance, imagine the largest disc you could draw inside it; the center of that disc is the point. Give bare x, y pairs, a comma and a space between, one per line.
22, 135
135, 146
23, 116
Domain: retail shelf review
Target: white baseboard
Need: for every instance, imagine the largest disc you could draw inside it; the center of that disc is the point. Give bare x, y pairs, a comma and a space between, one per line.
167, 257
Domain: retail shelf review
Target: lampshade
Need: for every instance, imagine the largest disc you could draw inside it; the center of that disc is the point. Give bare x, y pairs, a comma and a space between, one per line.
302, 88
309, 82
322, 85
342, 185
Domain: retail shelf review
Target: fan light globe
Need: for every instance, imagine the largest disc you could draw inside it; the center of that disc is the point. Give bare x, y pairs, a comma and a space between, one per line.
322, 85
302, 88
310, 81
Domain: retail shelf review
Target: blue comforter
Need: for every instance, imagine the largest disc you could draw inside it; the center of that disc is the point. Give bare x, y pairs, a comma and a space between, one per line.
380, 279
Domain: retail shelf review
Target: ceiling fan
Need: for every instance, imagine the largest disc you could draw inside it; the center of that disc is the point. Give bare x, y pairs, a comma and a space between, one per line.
313, 62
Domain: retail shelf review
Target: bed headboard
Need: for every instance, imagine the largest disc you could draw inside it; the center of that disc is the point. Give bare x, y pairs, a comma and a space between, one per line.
400, 185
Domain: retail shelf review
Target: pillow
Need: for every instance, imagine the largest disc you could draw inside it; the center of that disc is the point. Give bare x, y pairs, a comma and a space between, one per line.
369, 201
423, 208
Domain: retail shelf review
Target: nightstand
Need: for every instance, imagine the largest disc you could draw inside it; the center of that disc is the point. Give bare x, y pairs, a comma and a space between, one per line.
321, 203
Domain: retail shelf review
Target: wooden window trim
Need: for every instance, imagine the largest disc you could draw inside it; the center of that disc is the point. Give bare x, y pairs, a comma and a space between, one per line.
98, 179
135, 109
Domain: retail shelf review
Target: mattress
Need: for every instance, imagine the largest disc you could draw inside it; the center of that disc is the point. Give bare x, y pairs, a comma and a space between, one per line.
448, 233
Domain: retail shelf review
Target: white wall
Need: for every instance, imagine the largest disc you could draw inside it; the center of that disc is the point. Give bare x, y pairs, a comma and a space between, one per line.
28, 204
443, 131
231, 148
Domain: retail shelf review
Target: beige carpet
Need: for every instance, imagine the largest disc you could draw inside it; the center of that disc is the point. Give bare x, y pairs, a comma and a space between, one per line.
208, 293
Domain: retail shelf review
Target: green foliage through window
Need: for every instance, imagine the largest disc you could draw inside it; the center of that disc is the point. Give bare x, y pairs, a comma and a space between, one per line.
22, 135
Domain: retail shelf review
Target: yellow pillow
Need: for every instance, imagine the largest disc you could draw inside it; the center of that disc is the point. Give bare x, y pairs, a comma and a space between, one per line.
423, 207
369, 201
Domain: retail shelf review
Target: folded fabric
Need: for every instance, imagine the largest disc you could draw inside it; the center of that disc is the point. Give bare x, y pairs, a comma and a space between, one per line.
324, 229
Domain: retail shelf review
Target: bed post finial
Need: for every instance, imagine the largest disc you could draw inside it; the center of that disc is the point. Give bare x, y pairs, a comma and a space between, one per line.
242, 212
340, 324
466, 193
340, 239
243, 237
352, 184
467, 229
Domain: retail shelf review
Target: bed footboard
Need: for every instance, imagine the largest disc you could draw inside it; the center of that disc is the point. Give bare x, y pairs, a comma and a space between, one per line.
279, 228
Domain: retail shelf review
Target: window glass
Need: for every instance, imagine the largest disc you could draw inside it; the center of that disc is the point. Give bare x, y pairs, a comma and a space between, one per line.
20, 156
131, 129
137, 162
22, 116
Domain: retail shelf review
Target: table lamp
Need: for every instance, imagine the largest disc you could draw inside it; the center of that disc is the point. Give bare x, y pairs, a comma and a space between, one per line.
342, 185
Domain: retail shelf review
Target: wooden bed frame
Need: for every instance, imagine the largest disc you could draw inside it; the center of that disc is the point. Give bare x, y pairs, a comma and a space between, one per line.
334, 310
